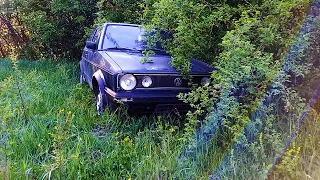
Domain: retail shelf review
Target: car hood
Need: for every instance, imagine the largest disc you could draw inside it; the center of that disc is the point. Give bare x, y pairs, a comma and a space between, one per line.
131, 62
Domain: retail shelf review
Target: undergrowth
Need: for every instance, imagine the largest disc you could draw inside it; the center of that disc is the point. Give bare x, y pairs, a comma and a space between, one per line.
65, 139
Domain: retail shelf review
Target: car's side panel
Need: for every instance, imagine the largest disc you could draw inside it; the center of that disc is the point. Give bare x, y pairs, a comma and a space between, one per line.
99, 63
84, 63
86, 67
91, 63
83, 70
90, 54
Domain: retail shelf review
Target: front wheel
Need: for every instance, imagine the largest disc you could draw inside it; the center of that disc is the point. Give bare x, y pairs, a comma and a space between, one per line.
102, 103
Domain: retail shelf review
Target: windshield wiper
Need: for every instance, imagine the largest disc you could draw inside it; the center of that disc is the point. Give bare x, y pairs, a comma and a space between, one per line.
119, 48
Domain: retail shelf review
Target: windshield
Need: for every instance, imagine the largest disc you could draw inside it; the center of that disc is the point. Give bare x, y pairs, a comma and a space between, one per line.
129, 37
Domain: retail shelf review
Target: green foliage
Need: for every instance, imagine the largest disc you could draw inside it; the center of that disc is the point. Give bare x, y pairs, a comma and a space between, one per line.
146, 58
301, 158
289, 161
245, 59
197, 27
12, 30
122, 11
247, 42
57, 28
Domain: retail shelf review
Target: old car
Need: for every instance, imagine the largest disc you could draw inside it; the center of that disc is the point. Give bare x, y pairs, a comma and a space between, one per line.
111, 65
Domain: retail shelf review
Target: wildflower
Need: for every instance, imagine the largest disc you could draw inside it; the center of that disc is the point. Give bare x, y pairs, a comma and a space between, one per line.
268, 168
69, 112
61, 111
171, 130
126, 139
129, 179
73, 156
145, 147
260, 139
180, 139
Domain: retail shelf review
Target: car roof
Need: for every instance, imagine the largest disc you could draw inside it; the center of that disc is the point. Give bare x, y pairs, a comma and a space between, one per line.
121, 24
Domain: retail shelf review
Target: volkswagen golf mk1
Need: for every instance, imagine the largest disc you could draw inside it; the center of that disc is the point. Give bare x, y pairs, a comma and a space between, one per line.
111, 65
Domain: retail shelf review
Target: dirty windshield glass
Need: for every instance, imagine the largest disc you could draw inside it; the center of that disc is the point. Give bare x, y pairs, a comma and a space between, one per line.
129, 37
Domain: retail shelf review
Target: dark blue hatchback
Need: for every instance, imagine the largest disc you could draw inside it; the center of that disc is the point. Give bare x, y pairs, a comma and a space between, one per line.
111, 65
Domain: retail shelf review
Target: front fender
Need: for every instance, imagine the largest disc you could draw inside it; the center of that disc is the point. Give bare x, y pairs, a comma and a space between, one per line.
98, 75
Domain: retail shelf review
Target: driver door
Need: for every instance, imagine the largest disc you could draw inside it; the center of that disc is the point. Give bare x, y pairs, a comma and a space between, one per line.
90, 53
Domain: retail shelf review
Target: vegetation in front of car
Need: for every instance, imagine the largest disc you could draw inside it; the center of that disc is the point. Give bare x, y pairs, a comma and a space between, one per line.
248, 53
250, 58
64, 138
301, 159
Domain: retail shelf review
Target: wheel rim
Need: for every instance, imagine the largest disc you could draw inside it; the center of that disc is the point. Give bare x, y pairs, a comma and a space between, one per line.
99, 104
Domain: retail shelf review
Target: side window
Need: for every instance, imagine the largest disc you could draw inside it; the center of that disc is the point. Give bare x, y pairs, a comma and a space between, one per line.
95, 38
92, 34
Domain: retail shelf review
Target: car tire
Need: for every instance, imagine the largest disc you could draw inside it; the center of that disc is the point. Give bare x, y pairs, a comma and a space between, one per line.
82, 78
101, 103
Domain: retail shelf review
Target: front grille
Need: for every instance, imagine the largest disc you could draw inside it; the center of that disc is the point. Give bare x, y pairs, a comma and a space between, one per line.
164, 80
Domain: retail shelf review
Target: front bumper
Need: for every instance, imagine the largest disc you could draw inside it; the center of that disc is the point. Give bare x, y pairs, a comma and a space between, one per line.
160, 100
147, 95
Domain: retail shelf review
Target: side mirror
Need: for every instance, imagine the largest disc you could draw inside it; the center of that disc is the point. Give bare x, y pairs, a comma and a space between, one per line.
91, 45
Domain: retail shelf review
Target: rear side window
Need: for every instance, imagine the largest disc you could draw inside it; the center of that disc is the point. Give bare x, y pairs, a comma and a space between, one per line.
97, 33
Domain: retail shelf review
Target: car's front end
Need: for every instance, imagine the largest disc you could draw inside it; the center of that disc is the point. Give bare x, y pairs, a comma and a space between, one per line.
154, 92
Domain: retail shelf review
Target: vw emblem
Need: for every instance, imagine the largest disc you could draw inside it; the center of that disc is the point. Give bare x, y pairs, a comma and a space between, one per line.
178, 82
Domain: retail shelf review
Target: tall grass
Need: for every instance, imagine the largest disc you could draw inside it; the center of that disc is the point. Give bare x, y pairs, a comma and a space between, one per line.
65, 139
302, 158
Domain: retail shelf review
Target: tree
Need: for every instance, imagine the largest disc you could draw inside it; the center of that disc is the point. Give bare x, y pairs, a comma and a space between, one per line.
57, 27
124, 11
12, 30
